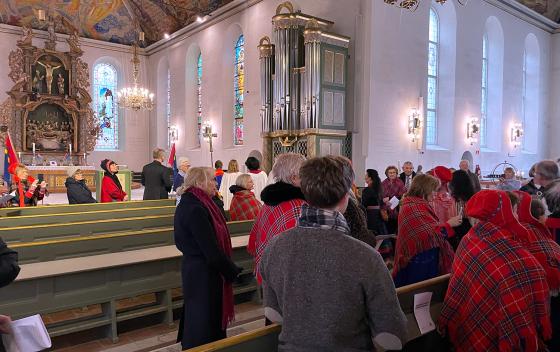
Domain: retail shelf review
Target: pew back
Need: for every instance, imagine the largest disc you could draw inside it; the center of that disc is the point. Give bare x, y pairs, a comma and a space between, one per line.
262, 340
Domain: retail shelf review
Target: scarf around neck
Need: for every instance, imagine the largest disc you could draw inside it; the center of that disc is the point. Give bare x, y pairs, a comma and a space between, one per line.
224, 243
312, 217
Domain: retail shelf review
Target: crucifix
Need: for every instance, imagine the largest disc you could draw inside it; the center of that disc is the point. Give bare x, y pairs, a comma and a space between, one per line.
208, 134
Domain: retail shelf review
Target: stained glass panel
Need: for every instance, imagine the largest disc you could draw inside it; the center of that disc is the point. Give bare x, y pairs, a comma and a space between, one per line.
432, 92
433, 63
432, 59
434, 26
199, 94
484, 97
104, 84
431, 127
239, 87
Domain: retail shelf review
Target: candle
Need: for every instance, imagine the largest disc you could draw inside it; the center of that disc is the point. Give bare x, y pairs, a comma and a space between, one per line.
19, 156
33, 144
70, 148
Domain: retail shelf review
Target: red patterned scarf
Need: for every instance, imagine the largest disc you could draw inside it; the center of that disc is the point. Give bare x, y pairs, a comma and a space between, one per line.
393, 188
497, 298
539, 242
224, 243
419, 231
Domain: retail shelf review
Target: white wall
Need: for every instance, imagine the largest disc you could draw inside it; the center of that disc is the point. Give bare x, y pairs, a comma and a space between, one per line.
399, 60
387, 75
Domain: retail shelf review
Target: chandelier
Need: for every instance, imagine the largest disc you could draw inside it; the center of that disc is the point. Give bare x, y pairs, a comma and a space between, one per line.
135, 97
413, 4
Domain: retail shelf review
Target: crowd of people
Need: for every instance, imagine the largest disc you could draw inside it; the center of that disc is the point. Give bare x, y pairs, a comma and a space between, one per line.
500, 247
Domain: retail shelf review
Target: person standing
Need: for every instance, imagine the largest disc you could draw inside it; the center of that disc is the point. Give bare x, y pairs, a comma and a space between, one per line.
184, 165
111, 188
201, 234
76, 188
228, 180
465, 166
392, 186
372, 197
219, 173
356, 303
156, 178
259, 177
408, 174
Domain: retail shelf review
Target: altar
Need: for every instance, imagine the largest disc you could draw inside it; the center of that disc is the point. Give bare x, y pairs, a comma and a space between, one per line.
55, 176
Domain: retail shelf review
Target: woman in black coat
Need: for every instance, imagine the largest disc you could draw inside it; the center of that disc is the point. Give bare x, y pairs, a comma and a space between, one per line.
207, 269
76, 189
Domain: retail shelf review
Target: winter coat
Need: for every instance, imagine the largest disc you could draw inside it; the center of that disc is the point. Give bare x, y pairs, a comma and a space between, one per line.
78, 192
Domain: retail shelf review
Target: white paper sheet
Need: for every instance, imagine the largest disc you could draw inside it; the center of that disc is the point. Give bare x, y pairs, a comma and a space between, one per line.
28, 335
422, 312
394, 202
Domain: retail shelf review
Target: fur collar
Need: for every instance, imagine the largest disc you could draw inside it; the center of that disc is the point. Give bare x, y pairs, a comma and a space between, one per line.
279, 192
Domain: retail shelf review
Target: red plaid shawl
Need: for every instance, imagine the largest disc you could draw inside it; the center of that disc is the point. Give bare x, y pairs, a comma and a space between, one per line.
419, 231
244, 206
497, 295
271, 221
393, 188
539, 242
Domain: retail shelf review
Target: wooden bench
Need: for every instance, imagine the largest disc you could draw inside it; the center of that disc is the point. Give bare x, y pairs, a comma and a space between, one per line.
266, 339
104, 279
73, 208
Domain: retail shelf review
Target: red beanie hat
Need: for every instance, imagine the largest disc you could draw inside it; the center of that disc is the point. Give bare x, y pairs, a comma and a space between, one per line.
442, 173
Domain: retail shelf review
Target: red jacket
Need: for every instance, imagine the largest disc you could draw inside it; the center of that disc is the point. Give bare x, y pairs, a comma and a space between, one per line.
110, 192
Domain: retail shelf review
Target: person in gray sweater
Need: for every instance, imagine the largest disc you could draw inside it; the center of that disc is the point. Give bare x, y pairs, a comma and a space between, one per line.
329, 291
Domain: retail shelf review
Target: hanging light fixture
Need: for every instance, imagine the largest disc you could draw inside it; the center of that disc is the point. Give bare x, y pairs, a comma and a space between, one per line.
413, 4
135, 97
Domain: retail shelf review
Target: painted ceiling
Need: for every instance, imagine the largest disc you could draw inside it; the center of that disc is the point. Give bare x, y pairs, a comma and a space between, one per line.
548, 8
115, 21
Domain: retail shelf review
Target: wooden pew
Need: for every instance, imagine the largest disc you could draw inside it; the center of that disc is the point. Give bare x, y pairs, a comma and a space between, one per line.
54, 209
266, 339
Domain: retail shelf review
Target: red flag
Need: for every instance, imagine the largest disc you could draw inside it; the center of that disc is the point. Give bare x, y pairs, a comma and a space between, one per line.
171, 160
12, 156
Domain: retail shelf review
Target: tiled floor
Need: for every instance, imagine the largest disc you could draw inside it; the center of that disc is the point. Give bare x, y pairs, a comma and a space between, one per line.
161, 338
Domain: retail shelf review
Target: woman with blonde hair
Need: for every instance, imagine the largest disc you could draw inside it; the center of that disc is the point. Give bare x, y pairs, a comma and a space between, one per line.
422, 250
28, 191
228, 180
208, 271
244, 205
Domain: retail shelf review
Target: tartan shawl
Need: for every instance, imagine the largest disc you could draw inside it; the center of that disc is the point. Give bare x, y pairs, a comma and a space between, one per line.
419, 231
393, 188
271, 221
497, 295
443, 205
539, 243
244, 206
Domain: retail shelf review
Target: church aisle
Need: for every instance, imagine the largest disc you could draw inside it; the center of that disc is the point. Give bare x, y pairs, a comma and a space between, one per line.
159, 338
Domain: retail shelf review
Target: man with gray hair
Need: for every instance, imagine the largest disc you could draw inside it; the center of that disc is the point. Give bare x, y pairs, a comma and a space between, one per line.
156, 178
546, 172
282, 205
329, 291
183, 163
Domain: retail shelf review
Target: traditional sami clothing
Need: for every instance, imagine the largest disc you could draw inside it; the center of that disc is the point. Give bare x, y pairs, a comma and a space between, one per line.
111, 189
228, 180
497, 299
280, 212
392, 188
244, 205
219, 174
201, 234
422, 250
30, 194
442, 202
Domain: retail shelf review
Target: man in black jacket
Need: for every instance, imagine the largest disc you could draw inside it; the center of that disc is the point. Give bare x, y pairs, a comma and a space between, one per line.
408, 174
156, 178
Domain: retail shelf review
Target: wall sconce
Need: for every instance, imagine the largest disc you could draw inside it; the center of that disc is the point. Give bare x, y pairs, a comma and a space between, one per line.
414, 125
41, 16
173, 134
516, 134
473, 130
208, 134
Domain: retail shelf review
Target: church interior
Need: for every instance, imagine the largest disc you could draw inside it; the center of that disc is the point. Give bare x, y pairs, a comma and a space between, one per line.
416, 86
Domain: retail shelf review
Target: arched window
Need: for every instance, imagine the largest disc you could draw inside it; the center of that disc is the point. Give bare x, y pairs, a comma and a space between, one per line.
530, 100
168, 107
238, 88
524, 91
199, 94
433, 63
484, 99
104, 87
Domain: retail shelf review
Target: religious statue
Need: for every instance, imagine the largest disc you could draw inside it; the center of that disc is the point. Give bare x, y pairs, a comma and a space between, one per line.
50, 44
27, 36
60, 83
74, 42
49, 73
37, 81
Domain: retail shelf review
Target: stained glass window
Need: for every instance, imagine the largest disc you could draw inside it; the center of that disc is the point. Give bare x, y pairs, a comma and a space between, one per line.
199, 94
433, 63
168, 108
484, 100
238, 88
104, 86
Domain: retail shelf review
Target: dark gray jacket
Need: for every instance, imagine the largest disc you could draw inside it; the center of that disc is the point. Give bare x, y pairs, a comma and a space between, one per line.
157, 180
333, 292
